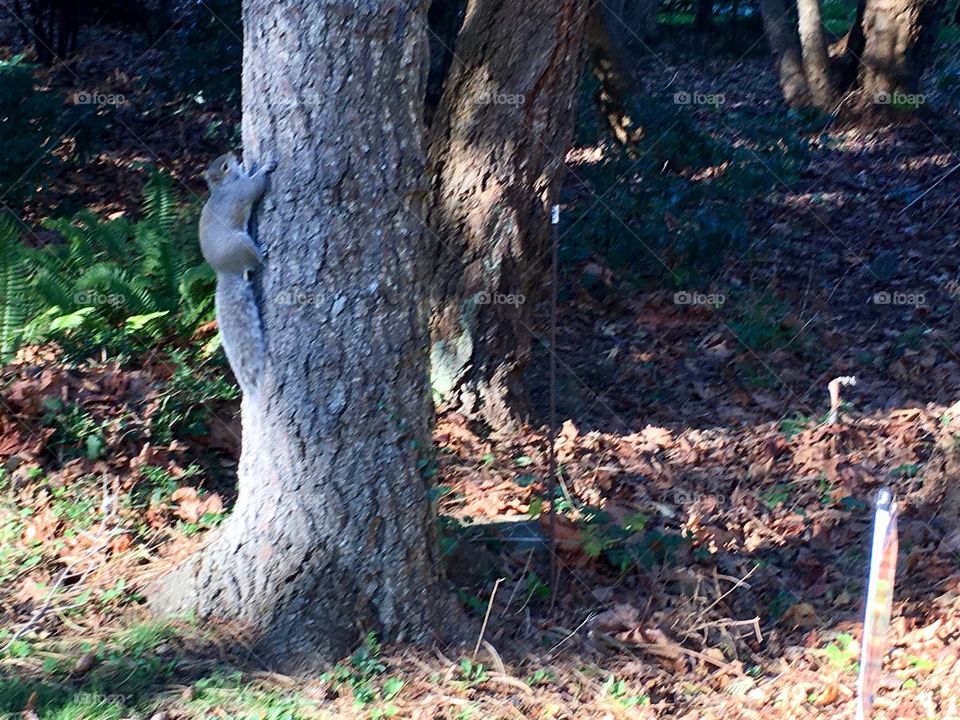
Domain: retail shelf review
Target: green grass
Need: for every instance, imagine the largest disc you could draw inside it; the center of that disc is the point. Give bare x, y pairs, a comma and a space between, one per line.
138, 670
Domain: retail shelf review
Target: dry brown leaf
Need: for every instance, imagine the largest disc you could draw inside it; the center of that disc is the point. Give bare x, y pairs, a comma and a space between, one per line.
829, 695
802, 615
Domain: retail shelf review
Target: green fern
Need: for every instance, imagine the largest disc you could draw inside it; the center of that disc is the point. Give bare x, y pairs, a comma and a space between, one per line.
13, 289
52, 288
196, 290
161, 264
161, 206
112, 280
106, 285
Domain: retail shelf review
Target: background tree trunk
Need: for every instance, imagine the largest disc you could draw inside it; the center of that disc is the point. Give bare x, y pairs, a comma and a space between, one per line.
703, 20
497, 145
610, 62
640, 18
899, 37
330, 536
816, 60
785, 45
849, 49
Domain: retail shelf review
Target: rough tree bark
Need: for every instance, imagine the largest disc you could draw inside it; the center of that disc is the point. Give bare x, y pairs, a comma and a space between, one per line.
497, 146
899, 37
331, 533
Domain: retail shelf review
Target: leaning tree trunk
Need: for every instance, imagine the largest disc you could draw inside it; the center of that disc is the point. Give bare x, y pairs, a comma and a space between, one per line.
497, 145
330, 536
899, 37
785, 46
816, 60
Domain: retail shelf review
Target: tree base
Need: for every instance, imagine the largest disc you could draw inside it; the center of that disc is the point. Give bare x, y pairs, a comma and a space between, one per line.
304, 611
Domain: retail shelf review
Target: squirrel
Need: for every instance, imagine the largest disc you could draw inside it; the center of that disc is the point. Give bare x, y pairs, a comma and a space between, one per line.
233, 254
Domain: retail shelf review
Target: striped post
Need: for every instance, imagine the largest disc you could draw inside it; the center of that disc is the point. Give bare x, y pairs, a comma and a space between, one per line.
876, 622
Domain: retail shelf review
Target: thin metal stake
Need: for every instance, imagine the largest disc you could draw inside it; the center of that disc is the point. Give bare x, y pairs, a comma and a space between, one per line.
551, 449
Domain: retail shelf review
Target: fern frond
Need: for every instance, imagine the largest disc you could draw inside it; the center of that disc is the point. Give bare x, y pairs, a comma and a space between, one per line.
160, 263
160, 202
52, 289
197, 286
13, 289
110, 289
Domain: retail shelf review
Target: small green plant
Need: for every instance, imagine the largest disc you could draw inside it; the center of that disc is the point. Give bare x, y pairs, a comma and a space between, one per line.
536, 587
185, 402
842, 654
76, 432
910, 339
361, 675
231, 694
542, 676
627, 543
13, 289
779, 494
620, 691
825, 489
472, 601
924, 664
472, 673
793, 426
758, 322
906, 471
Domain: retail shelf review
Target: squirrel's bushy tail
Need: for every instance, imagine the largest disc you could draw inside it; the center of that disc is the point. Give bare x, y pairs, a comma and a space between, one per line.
240, 329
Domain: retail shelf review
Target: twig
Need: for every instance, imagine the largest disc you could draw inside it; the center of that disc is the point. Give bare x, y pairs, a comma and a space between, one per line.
738, 583
939, 180
495, 657
523, 574
728, 623
668, 651
486, 617
587, 619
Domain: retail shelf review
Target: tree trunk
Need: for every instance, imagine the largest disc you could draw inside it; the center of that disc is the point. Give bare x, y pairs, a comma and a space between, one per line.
610, 65
703, 20
816, 60
497, 145
640, 19
331, 533
849, 50
899, 37
785, 46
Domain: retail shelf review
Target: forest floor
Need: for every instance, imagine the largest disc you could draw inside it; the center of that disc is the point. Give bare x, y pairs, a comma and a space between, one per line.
713, 535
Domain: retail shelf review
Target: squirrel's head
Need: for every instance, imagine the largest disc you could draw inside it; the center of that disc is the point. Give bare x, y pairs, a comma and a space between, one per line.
221, 168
